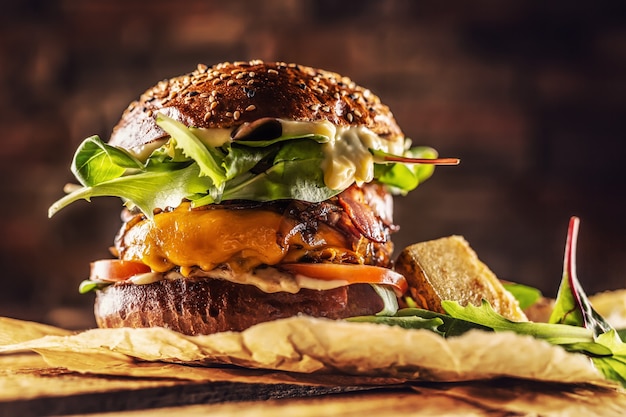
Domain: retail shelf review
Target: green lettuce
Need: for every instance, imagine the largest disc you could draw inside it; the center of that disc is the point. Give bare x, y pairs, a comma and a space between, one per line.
287, 167
525, 295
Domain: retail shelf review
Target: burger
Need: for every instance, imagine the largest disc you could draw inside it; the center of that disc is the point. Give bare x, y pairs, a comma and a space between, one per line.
252, 191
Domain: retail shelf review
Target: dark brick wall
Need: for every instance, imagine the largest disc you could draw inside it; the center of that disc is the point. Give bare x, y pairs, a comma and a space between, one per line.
530, 95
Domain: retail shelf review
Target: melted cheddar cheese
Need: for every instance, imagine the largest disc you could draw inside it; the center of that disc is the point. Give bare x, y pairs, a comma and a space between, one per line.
205, 238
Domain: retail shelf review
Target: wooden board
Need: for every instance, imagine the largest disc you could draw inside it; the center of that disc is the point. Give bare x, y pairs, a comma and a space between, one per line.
29, 387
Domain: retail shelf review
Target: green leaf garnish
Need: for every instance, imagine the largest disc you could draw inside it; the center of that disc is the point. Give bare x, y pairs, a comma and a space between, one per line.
404, 177
208, 159
95, 162
417, 318
525, 295
88, 286
485, 315
295, 174
285, 167
572, 305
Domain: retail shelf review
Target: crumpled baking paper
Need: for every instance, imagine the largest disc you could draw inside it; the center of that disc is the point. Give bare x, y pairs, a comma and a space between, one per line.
304, 345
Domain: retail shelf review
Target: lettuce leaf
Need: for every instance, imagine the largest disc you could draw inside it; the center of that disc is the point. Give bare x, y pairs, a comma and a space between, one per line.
525, 295
295, 173
417, 318
146, 190
95, 162
287, 167
403, 178
208, 159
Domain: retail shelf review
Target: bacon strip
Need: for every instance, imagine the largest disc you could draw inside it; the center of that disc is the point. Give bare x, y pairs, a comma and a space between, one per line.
363, 216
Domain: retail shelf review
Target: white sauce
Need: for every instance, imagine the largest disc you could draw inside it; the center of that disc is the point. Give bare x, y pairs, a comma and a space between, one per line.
346, 152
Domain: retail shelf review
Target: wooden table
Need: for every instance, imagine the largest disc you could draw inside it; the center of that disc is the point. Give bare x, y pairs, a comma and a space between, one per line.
29, 387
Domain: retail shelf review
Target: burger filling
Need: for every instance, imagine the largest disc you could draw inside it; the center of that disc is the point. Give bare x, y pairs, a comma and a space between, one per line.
261, 203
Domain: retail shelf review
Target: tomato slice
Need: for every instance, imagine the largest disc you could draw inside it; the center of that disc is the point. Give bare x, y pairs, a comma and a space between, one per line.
353, 274
116, 270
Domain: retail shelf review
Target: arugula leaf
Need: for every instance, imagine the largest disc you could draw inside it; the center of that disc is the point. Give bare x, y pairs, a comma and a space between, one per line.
524, 294
94, 162
485, 315
417, 318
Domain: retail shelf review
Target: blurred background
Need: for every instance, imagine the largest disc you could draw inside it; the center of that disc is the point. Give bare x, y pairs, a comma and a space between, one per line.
531, 95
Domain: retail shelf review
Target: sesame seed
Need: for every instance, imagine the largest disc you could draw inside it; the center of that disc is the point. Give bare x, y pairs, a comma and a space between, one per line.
217, 81
202, 68
250, 82
272, 71
336, 95
240, 75
236, 114
207, 116
230, 83
149, 113
251, 107
213, 105
358, 113
326, 109
224, 76
228, 114
211, 99
349, 117
251, 74
205, 95
314, 107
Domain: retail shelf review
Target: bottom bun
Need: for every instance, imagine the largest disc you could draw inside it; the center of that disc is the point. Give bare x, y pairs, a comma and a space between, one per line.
205, 306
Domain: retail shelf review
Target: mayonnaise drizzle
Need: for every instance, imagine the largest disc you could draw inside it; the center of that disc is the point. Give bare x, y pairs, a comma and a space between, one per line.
346, 152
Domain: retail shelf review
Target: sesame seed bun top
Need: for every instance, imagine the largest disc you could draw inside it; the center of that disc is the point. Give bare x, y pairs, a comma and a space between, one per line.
230, 94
